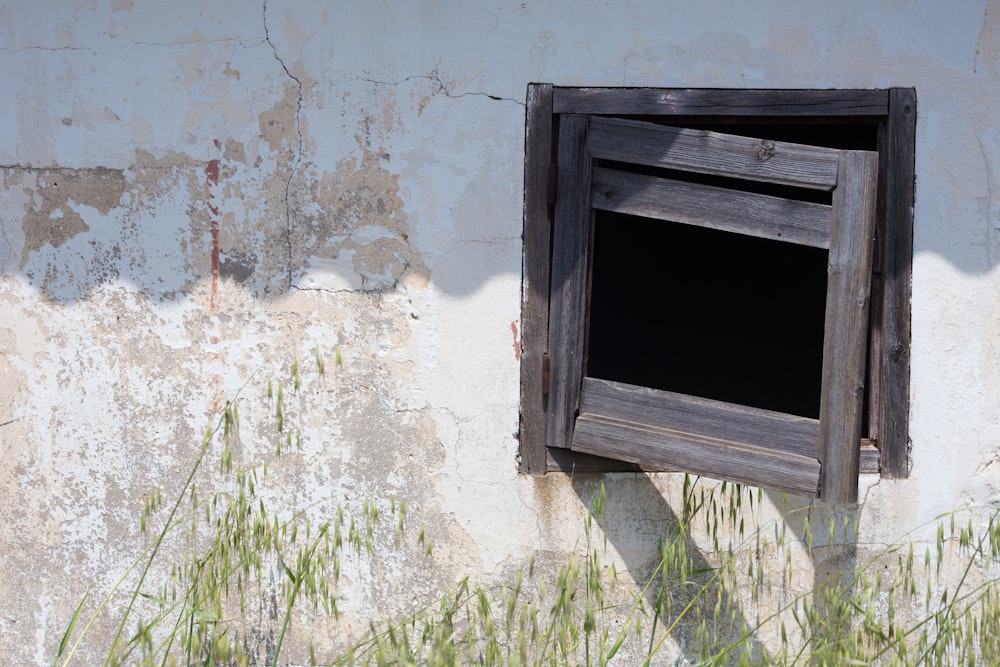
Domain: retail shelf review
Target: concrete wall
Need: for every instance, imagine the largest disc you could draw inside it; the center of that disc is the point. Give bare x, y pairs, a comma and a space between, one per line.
194, 192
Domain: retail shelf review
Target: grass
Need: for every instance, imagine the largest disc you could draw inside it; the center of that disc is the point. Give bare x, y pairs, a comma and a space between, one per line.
893, 609
222, 548
727, 588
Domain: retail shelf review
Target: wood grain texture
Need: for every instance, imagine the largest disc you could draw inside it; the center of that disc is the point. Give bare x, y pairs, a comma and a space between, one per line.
568, 294
629, 441
715, 102
570, 462
700, 416
714, 153
898, 109
846, 329
749, 213
896, 259
869, 464
535, 276
566, 460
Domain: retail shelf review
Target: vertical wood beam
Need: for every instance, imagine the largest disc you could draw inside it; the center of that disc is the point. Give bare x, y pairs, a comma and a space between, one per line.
535, 276
845, 340
568, 302
897, 260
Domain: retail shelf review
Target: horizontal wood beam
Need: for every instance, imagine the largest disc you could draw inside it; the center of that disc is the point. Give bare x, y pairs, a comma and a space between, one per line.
568, 461
713, 153
737, 462
750, 213
703, 417
716, 102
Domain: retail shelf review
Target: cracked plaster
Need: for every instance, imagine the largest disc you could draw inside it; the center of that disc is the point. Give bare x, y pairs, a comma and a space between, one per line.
191, 197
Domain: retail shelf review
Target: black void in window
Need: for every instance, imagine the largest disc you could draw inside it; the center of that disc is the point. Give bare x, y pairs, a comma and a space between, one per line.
707, 313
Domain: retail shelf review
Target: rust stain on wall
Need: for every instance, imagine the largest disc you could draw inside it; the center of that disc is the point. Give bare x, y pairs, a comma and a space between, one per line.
517, 341
212, 180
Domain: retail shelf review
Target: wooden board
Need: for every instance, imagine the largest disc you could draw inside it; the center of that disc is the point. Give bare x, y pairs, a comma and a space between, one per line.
845, 339
560, 459
714, 153
568, 300
869, 464
897, 258
714, 102
750, 213
700, 416
535, 278
738, 462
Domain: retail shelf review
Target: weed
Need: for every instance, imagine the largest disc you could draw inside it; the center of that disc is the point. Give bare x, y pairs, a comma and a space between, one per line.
230, 543
741, 601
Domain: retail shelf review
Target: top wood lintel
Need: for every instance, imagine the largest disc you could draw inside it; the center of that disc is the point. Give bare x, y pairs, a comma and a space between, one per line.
720, 102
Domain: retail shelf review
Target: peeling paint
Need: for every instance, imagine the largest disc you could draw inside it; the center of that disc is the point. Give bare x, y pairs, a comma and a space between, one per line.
361, 216
189, 202
278, 125
56, 195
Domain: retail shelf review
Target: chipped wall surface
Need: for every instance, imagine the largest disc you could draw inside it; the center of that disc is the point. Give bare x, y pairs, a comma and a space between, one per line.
196, 193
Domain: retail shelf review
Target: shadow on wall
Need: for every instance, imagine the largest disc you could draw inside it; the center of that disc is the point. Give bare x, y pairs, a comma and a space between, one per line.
271, 215
638, 516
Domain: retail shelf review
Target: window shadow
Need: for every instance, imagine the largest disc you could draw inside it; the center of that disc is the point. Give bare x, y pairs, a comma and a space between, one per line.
638, 516
636, 520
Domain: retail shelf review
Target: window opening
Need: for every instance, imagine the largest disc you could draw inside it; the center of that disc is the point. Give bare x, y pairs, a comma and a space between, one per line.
707, 313
711, 313
593, 361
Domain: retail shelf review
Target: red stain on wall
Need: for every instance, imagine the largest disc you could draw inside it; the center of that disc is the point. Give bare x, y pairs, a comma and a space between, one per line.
517, 341
211, 180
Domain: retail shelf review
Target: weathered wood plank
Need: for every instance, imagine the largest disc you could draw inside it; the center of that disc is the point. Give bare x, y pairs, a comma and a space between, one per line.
713, 153
628, 441
869, 464
715, 102
750, 213
703, 417
897, 258
535, 276
570, 462
845, 339
568, 301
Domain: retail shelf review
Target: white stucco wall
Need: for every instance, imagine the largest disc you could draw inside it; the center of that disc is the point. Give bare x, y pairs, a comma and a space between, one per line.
369, 191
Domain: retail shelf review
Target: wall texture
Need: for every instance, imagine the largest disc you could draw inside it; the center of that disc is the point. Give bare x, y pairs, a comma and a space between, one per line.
197, 192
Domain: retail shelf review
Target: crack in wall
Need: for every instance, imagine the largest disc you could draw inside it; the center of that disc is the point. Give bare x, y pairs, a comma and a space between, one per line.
298, 152
983, 40
442, 88
187, 42
49, 48
503, 240
375, 291
988, 242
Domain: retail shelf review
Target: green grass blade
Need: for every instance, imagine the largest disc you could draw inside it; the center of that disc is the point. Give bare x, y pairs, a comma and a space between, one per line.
72, 624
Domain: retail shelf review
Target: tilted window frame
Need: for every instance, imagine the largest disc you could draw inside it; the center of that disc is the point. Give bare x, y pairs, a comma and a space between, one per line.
894, 110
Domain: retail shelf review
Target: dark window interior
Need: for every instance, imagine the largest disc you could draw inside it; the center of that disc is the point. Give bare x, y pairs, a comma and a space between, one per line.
709, 313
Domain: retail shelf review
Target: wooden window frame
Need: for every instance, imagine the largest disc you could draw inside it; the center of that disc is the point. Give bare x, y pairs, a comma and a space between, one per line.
550, 394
